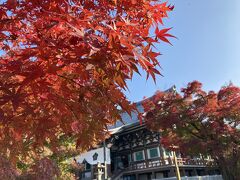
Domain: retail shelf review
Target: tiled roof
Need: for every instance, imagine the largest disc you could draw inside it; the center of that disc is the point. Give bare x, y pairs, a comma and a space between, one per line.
134, 119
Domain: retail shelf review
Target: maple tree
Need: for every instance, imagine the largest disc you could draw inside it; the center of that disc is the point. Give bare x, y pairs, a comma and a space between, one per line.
200, 122
45, 168
64, 65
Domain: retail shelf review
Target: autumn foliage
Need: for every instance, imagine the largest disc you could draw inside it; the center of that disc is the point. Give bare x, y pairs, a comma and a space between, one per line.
44, 169
6, 170
200, 122
64, 64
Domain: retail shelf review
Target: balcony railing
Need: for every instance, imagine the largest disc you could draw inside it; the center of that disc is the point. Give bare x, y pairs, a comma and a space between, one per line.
161, 162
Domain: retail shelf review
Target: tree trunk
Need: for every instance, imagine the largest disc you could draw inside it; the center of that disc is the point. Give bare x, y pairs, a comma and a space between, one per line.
229, 168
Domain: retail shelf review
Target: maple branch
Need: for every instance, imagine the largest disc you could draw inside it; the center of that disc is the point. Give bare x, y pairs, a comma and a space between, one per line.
195, 126
194, 134
64, 77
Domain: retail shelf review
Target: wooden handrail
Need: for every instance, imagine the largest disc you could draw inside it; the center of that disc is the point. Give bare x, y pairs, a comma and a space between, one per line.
158, 162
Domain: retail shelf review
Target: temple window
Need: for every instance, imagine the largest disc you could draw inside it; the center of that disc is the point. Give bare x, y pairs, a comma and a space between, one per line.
153, 153
139, 156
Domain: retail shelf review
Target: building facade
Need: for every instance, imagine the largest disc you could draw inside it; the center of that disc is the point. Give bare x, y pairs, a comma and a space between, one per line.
135, 153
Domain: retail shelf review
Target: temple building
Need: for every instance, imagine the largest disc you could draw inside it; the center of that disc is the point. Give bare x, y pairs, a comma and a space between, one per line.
133, 152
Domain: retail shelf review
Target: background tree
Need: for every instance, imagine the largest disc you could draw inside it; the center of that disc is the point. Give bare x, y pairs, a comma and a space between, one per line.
64, 65
200, 122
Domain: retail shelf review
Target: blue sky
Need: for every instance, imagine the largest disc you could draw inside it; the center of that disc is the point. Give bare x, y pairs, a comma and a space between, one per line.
207, 48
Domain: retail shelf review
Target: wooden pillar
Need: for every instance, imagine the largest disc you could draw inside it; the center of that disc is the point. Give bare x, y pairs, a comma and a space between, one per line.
162, 156
137, 178
160, 148
172, 173
183, 172
195, 172
146, 156
92, 171
145, 152
153, 176
115, 162
132, 155
170, 162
